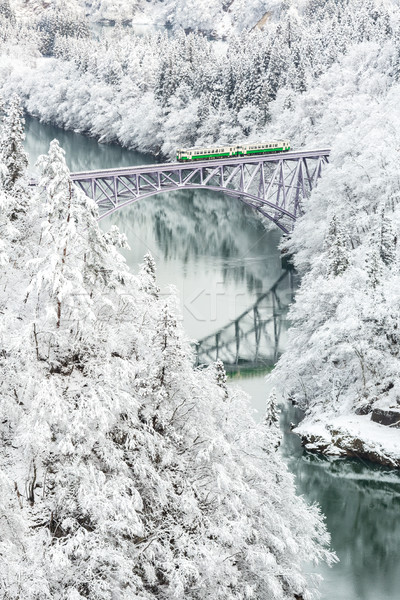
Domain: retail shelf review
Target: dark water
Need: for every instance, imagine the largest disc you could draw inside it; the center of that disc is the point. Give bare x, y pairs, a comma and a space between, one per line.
216, 253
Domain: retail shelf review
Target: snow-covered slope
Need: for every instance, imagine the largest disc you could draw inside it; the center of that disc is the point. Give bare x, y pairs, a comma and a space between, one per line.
342, 363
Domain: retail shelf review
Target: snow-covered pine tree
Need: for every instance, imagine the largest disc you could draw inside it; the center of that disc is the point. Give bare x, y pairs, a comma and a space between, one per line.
374, 264
220, 377
12, 152
387, 238
6, 11
271, 422
335, 243
147, 276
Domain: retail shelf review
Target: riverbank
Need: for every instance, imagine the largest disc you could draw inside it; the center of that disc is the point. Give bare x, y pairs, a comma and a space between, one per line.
354, 436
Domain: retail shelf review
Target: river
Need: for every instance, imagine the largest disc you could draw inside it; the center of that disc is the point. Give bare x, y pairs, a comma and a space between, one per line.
221, 261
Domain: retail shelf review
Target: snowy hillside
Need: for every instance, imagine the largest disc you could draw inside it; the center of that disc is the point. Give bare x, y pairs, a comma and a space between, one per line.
214, 17
342, 364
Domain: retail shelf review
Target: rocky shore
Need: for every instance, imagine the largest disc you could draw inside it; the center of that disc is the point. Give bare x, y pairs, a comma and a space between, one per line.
374, 437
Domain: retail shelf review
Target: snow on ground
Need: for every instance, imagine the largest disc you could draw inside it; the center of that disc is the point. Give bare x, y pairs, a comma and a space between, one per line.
354, 435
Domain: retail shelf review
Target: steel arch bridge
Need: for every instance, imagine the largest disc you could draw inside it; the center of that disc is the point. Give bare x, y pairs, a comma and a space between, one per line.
275, 185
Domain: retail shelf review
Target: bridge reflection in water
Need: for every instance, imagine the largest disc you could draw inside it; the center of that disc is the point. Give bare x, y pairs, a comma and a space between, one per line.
255, 339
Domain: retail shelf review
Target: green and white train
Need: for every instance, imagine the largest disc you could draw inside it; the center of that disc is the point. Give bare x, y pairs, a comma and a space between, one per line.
186, 154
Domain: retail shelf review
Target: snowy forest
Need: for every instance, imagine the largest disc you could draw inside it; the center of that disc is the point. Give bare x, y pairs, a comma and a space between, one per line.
125, 472
313, 71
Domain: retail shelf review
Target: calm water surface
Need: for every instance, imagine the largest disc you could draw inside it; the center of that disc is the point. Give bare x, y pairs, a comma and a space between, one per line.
218, 256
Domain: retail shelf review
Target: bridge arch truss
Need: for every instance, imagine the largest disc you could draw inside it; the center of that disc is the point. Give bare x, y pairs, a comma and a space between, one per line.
274, 185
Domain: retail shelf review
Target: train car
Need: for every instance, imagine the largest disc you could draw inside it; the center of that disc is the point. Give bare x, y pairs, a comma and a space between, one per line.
276, 146
220, 151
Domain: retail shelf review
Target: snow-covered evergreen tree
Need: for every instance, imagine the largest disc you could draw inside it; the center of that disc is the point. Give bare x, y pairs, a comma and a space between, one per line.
387, 238
220, 377
374, 264
5, 10
147, 276
271, 422
335, 243
12, 153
